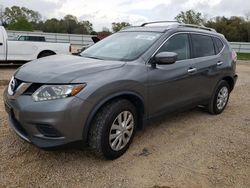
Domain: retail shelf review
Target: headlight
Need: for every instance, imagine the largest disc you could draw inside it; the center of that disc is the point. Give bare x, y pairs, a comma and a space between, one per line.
52, 92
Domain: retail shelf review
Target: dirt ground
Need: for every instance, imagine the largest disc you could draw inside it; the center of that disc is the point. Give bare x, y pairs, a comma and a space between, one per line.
6, 73
189, 150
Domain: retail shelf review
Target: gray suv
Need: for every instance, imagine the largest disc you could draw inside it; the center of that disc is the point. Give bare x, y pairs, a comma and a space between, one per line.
102, 96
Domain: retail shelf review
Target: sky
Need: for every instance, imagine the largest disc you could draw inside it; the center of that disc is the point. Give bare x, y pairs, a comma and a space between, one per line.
103, 13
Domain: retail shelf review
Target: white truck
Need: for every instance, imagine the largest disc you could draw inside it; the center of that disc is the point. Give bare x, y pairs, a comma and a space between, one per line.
26, 50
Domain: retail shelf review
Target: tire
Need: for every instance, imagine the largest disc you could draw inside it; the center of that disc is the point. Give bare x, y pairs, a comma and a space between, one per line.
104, 126
45, 54
220, 98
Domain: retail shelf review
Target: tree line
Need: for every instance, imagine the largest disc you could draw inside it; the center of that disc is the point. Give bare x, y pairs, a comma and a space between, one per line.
21, 18
24, 19
234, 28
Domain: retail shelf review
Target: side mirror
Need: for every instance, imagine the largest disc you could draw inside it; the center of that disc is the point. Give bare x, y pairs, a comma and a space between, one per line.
165, 58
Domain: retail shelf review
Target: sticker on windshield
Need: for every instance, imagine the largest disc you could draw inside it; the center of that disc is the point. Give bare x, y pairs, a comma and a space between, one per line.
145, 37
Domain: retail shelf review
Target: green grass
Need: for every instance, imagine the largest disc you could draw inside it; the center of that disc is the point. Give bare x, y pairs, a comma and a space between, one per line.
243, 56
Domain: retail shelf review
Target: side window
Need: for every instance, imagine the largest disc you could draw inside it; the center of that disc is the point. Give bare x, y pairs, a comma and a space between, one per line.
22, 38
179, 44
42, 39
202, 45
219, 45
31, 38
34, 38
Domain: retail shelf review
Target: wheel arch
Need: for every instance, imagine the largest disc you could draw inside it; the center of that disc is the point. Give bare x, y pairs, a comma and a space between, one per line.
133, 97
230, 81
45, 51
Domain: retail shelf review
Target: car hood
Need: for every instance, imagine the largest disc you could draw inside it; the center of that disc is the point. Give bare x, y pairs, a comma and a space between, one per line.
62, 68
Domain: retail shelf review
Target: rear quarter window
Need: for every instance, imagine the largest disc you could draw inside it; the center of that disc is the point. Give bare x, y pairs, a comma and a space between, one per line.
218, 44
202, 45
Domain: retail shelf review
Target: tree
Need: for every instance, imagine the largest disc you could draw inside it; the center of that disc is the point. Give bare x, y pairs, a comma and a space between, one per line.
69, 23
2, 16
190, 17
93, 33
52, 26
117, 26
83, 27
247, 15
235, 28
88, 26
20, 25
16, 13
22, 18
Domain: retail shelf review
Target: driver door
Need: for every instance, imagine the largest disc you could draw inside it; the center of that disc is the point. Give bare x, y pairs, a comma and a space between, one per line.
172, 86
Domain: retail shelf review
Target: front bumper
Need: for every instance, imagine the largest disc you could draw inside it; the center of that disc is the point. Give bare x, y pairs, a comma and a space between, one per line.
49, 123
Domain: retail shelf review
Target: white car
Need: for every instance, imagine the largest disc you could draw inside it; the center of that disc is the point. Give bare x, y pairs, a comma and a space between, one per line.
27, 50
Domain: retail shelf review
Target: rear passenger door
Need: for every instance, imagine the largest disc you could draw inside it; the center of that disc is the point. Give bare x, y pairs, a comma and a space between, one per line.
207, 62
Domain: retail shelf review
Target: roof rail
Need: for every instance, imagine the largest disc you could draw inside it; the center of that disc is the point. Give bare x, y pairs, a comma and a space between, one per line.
127, 27
197, 26
148, 23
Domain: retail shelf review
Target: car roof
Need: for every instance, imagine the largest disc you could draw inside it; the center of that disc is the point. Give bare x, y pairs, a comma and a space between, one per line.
161, 27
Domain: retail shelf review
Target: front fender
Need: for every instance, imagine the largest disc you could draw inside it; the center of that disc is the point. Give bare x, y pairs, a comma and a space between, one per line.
107, 93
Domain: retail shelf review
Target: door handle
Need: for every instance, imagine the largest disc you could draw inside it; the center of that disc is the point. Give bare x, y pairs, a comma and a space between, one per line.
1, 43
219, 63
192, 70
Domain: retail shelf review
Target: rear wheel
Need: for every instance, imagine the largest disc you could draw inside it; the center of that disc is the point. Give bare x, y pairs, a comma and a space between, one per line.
113, 129
219, 100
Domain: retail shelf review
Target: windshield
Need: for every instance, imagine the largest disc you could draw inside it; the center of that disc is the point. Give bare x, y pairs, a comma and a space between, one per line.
124, 46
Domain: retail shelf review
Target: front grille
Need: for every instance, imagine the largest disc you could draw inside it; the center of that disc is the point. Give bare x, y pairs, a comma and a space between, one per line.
13, 85
32, 89
29, 91
48, 130
17, 83
17, 87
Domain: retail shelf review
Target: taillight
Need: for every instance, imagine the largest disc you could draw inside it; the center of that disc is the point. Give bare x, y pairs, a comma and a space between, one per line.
234, 56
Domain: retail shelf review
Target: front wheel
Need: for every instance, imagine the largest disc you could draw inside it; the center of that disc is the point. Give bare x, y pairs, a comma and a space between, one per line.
219, 100
113, 129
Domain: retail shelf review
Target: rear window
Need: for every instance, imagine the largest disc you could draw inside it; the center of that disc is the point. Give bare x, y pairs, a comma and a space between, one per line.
202, 45
218, 44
